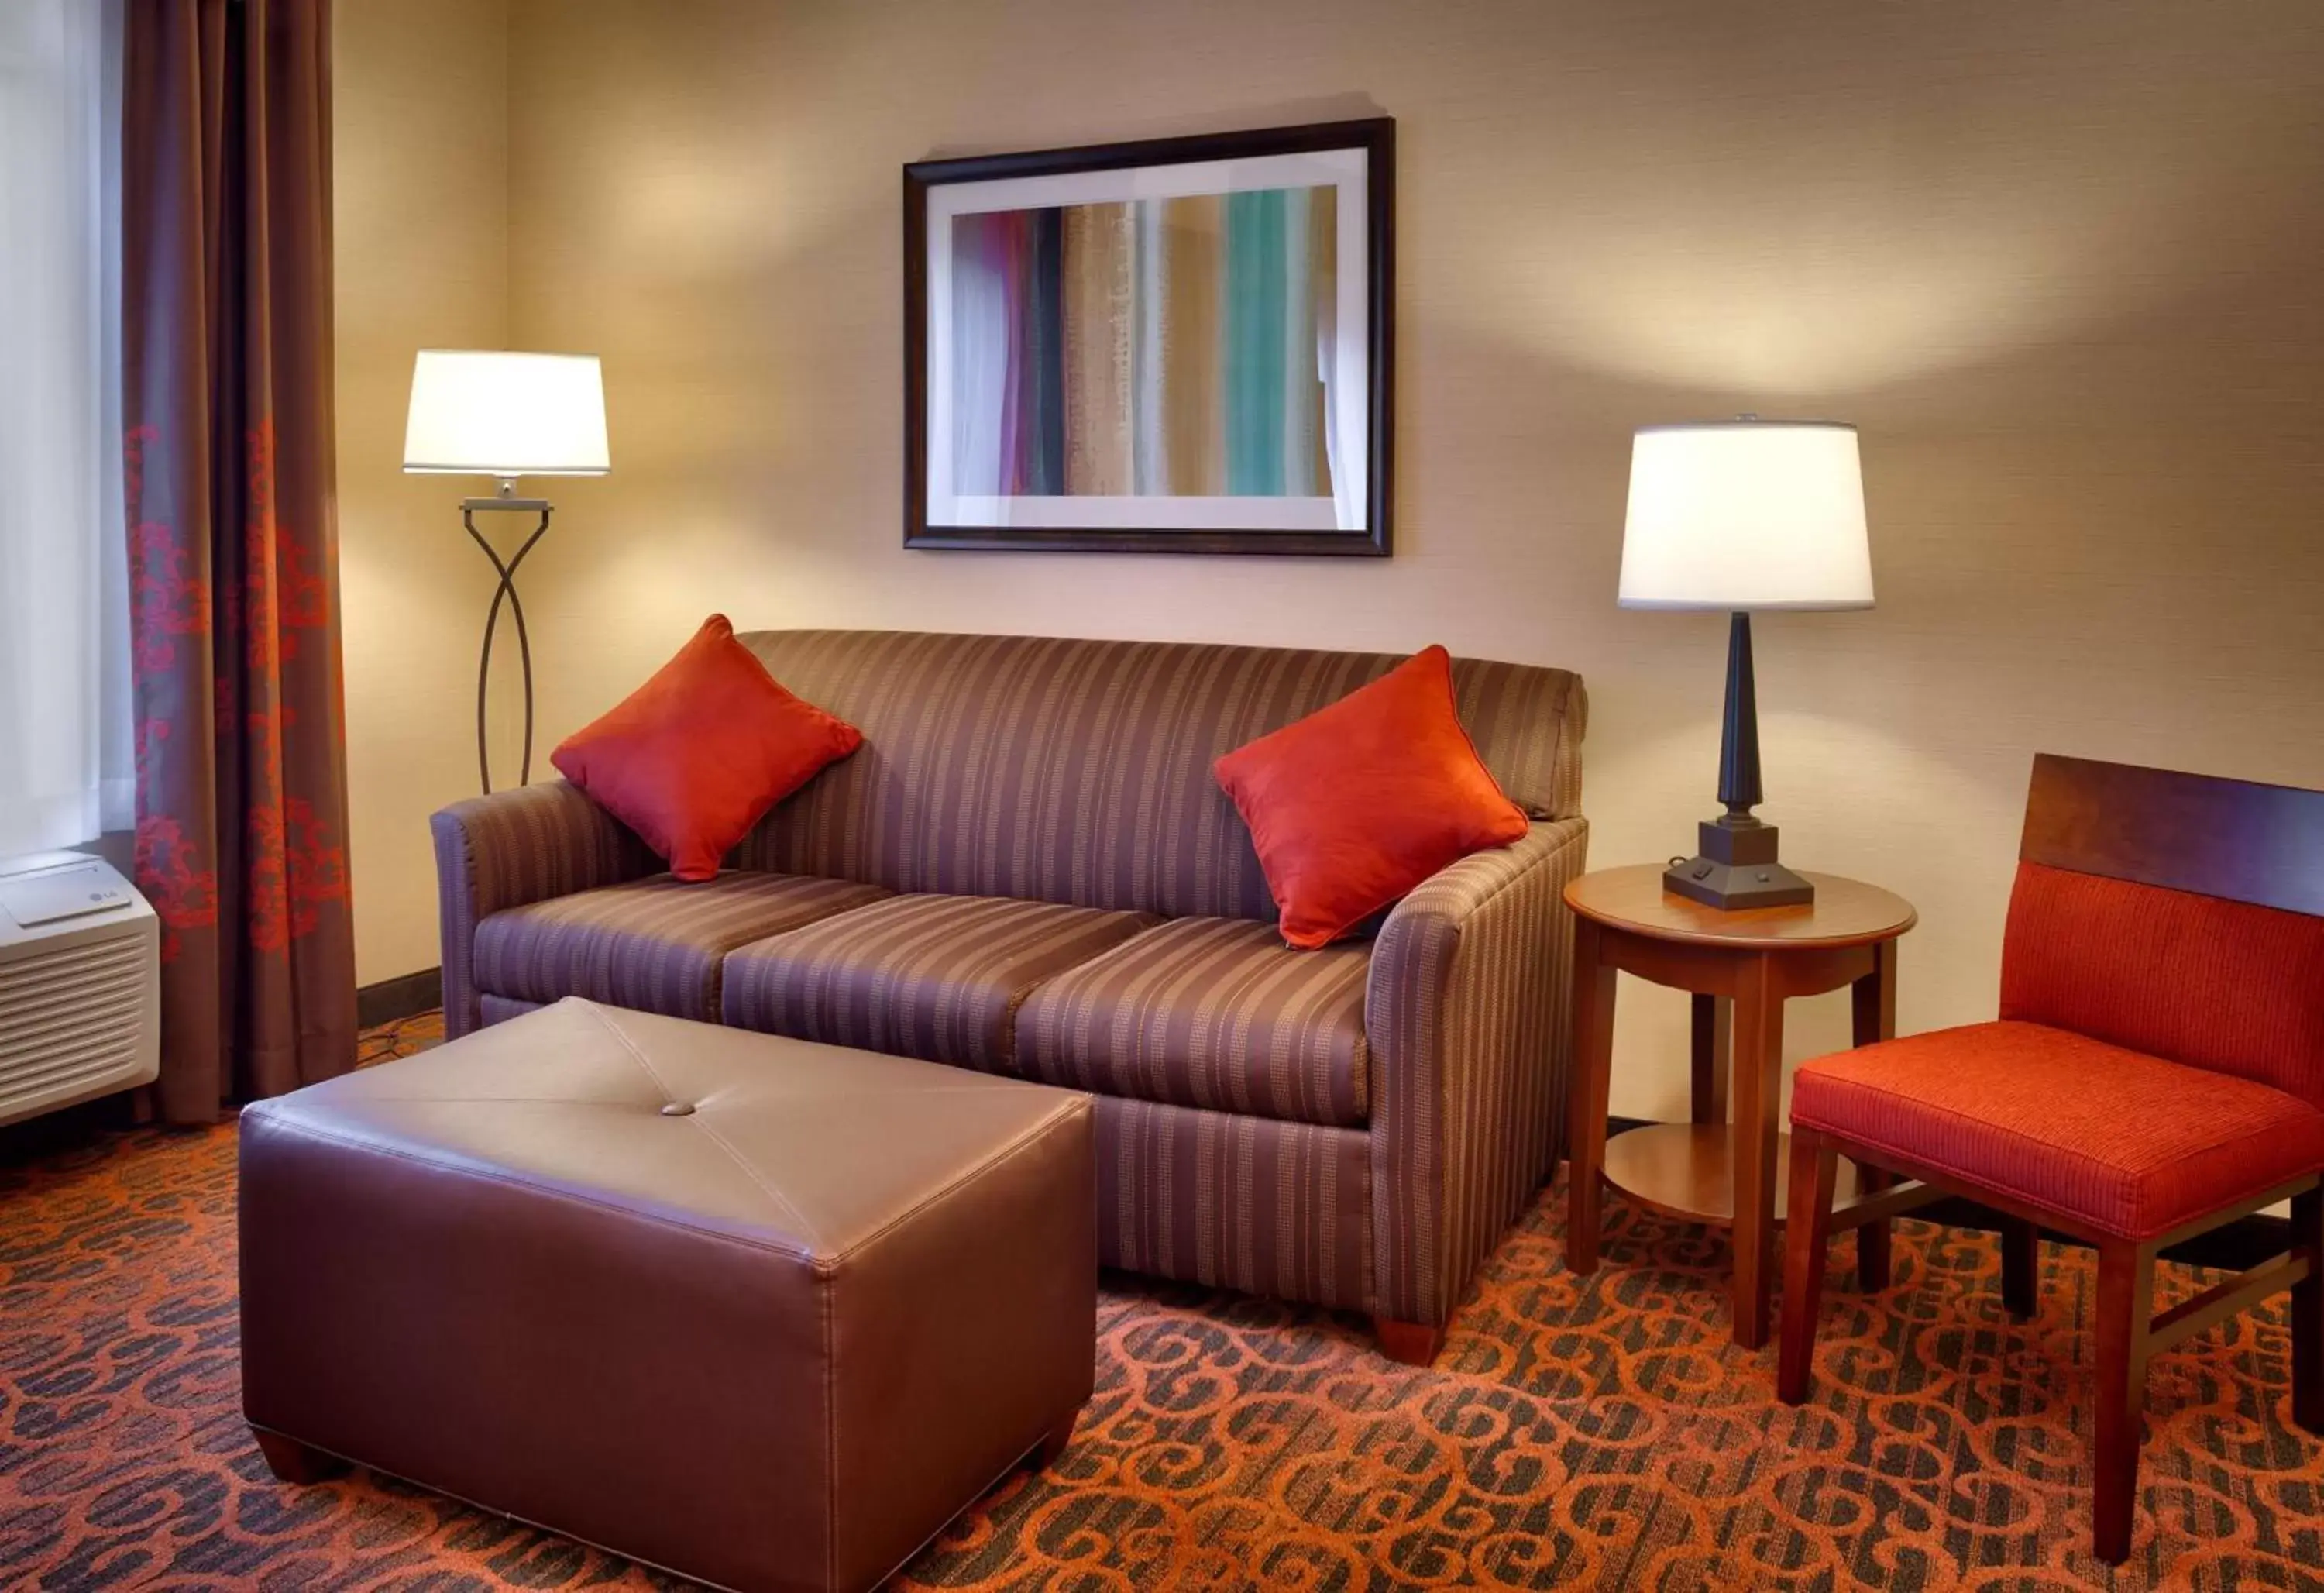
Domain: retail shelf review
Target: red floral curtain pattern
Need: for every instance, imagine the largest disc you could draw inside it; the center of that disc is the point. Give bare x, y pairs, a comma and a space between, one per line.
227, 337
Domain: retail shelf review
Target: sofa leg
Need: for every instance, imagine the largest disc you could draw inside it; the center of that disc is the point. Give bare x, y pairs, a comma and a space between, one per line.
293, 1461
1415, 1344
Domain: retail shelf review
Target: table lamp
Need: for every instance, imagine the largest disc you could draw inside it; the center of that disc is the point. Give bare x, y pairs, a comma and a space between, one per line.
486, 413
1740, 516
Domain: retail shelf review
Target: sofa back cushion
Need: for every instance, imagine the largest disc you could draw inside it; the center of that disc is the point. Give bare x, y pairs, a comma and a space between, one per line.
1079, 771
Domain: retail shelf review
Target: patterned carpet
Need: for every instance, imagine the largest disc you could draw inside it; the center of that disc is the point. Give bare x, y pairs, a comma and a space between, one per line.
1600, 1432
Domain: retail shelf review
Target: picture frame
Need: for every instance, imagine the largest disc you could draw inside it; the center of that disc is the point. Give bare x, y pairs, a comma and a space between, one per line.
1175, 344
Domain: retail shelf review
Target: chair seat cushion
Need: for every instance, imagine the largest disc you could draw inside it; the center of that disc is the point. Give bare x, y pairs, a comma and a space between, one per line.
939, 978
2116, 1140
1209, 1011
654, 945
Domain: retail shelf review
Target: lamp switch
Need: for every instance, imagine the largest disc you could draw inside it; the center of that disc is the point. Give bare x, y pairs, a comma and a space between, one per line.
1702, 871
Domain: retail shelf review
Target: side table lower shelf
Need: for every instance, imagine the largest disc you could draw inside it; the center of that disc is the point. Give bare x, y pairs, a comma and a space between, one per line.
1684, 1170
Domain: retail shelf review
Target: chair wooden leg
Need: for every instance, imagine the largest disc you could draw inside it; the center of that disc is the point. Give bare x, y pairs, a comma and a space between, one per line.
293, 1461
1872, 1003
1872, 1247
1413, 1344
2308, 1313
1592, 1065
2020, 1266
2126, 1306
1807, 1234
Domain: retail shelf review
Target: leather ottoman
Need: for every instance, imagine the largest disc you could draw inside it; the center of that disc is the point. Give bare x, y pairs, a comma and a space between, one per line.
761, 1312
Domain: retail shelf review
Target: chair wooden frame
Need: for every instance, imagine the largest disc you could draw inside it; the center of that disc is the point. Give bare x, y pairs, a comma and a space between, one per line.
2255, 844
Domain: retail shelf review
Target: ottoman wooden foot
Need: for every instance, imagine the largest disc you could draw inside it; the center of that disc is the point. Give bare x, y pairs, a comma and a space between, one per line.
1045, 1453
293, 1461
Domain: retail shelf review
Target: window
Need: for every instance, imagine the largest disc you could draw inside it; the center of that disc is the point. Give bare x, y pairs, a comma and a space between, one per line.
66, 762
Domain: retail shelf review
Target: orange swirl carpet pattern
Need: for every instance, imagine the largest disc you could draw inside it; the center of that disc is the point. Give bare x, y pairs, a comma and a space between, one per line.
1596, 1432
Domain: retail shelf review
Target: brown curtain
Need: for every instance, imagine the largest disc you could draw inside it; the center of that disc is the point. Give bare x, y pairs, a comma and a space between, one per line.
234, 557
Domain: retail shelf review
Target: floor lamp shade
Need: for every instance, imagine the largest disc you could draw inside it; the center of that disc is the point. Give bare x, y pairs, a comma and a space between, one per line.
492, 412
487, 412
1739, 515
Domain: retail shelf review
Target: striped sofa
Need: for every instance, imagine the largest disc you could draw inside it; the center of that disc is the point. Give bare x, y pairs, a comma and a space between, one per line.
1028, 869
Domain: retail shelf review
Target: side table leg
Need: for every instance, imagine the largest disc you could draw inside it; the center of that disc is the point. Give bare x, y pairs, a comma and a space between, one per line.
1758, 1085
1593, 1076
1874, 1000
1715, 1037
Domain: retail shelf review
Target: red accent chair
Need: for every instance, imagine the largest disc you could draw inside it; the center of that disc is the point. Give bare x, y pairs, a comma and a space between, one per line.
2157, 1070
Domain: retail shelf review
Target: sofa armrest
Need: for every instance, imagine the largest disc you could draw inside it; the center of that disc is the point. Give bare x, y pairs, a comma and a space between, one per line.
1465, 1010
511, 848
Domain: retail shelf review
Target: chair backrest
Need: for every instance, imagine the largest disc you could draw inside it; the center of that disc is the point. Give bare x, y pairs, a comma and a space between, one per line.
2176, 914
1079, 771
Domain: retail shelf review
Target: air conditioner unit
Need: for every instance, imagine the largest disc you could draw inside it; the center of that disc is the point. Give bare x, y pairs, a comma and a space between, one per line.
80, 984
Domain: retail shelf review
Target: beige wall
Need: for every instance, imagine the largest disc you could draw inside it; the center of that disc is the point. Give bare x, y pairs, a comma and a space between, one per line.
420, 208
2059, 263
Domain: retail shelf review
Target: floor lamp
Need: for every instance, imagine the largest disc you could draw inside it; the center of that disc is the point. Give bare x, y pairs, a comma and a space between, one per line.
485, 412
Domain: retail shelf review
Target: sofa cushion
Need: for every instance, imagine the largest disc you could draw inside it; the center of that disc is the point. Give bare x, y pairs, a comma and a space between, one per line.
695, 757
1079, 771
656, 945
1427, 800
934, 976
2114, 1140
1209, 1011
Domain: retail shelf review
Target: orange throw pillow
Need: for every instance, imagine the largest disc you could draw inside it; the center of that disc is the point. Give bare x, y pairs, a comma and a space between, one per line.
1357, 804
695, 757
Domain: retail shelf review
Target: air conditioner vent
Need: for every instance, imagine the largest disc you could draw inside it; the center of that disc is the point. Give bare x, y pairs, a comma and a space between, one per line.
79, 994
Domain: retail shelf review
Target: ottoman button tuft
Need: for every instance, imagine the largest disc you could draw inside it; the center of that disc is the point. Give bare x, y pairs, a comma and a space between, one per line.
679, 1109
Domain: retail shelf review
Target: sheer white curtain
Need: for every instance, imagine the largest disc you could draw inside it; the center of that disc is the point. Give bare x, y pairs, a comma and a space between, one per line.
66, 754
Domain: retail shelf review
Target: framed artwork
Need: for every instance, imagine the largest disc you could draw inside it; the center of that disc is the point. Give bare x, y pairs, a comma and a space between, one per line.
1180, 345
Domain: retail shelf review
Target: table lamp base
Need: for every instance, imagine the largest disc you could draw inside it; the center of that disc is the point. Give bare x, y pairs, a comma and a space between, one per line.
1737, 868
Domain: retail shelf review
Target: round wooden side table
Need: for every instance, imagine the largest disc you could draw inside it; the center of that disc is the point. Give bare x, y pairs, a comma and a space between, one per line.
1740, 968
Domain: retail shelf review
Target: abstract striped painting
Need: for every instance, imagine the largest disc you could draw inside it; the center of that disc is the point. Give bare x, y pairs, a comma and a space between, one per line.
1172, 346
1179, 345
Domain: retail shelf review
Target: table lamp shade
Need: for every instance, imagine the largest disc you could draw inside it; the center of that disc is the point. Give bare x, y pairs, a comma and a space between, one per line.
1746, 514
487, 412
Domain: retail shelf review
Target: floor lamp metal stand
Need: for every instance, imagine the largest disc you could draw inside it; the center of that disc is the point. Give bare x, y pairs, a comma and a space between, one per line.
504, 413
508, 502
